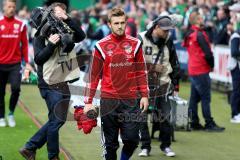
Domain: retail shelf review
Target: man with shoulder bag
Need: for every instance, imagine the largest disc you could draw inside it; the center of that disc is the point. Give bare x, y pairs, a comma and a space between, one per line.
163, 74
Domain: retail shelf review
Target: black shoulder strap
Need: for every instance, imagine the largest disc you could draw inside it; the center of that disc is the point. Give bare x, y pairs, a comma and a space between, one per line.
161, 49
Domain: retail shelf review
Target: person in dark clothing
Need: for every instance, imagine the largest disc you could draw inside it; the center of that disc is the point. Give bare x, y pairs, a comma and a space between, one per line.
234, 63
234, 67
131, 28
161, 57
48, 53
201, 62
102, 31
220, 35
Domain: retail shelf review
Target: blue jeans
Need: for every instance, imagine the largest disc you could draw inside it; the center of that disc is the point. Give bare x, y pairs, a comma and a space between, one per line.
235, 97
200, 91
57, 104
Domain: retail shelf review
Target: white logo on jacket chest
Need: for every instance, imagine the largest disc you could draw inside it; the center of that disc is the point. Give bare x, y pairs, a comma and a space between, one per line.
16, 28
128, 49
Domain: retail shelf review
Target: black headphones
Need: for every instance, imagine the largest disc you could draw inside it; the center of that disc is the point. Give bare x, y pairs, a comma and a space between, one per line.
155, 22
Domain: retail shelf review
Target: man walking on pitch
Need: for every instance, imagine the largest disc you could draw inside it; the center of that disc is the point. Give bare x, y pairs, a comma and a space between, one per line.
118, 60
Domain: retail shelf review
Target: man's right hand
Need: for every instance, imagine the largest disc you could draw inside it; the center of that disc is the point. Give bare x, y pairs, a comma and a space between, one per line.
87, 108
54, 38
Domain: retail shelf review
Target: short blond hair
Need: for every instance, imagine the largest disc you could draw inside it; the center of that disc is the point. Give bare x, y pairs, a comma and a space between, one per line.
116, 12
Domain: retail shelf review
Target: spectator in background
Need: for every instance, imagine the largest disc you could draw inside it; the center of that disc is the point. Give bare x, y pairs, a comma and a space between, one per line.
142, 19
213, 9
14, 47
220, 31
192, 6
131, 28
76, 17
234, 63
101, 31
201, 62
204, 10
24, 15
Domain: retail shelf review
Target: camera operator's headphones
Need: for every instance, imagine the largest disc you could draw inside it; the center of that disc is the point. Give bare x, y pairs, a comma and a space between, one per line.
155, 21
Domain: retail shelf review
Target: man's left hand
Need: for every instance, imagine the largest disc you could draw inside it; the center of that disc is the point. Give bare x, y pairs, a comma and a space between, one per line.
144, 104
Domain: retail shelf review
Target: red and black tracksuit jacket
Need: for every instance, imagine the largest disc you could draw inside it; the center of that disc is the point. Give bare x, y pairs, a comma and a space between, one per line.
13, 41
119, 62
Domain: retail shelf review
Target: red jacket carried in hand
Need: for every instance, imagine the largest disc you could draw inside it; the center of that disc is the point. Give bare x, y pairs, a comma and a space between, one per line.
83, 122
119, 62
201, 59
13, 41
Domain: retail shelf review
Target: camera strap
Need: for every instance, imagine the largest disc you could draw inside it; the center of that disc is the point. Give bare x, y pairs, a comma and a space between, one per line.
160, 53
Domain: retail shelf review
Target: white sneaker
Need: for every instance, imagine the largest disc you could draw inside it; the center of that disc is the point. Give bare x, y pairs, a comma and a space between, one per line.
168, 152
238, 115
3, 122
11, 121
235, 119
144, 153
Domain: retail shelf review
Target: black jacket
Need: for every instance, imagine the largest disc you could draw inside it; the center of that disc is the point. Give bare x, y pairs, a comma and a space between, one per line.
43, 52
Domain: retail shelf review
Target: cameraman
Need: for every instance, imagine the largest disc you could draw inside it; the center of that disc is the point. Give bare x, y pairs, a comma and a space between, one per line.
47, 51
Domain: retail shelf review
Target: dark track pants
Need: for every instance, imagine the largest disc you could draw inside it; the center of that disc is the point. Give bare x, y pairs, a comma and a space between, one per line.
12, 74
119, 116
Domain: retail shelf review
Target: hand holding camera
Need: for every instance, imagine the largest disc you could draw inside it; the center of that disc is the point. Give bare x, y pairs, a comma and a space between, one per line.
54, 38
60, 13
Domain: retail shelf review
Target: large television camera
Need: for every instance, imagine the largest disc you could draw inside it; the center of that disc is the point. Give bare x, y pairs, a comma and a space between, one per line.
46, 24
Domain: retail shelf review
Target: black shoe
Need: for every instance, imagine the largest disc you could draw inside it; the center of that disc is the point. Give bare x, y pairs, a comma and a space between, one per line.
214, 128
27, 154
197, 127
